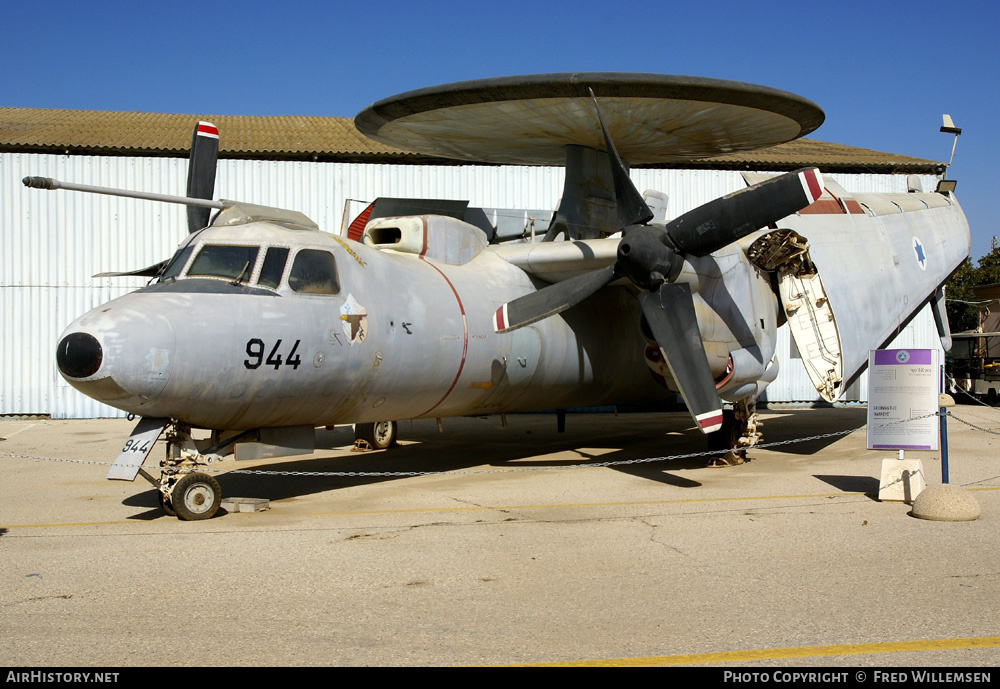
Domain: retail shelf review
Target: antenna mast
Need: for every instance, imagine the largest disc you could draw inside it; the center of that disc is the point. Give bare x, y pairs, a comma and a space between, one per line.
948, 127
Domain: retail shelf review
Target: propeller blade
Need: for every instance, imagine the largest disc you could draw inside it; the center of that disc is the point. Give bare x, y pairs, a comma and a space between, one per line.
721, 222
201, 172
632, 208
550, 300
669, 310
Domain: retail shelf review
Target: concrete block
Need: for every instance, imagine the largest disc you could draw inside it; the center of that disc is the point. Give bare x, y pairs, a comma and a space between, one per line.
901, 481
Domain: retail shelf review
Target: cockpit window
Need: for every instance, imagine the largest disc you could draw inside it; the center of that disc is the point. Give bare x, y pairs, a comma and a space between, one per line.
274, 266
314, 272
177, 263
219, 261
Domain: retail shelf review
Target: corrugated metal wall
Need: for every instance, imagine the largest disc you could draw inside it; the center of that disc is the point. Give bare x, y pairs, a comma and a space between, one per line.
51, 243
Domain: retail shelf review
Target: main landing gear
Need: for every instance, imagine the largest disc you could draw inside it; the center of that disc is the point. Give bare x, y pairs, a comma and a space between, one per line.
380, 435
740, 430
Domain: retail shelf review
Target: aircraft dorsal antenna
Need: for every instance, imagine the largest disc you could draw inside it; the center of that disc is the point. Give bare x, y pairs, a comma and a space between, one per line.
948, 127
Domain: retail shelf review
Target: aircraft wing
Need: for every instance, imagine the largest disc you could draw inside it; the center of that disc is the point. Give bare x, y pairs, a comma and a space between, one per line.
878, 270
558, 261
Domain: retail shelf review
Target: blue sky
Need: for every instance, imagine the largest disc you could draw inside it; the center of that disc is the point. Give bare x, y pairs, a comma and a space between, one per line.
883, 72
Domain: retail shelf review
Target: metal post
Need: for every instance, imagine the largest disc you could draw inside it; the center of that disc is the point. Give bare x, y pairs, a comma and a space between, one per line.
944, 433
944, 445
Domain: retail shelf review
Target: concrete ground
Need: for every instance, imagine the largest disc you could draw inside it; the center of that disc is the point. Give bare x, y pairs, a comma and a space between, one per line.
510, 547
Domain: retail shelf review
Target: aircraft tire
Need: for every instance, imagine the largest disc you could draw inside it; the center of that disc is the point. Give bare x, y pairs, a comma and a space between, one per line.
381, 435
196, 496
165, 505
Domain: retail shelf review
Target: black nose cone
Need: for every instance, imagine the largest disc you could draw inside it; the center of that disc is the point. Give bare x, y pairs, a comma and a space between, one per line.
79, 355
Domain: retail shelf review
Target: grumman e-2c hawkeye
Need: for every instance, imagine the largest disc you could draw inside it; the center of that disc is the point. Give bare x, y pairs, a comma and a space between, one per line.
263, 327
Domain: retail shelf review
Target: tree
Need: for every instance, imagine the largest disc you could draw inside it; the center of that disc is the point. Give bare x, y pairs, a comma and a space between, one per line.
963, 313
988, 272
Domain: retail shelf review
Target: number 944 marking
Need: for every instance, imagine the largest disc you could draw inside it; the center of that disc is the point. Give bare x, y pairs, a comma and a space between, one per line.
255, 355
138, 445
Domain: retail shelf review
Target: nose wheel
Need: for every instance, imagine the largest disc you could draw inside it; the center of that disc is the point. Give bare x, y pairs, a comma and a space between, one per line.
195, 496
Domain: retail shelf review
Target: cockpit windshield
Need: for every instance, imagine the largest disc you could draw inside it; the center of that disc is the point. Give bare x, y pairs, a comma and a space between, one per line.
313, 271
222, 261
177, 263
274, 267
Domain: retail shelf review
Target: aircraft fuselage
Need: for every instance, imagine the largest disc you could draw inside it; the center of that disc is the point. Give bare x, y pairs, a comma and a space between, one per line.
398, 336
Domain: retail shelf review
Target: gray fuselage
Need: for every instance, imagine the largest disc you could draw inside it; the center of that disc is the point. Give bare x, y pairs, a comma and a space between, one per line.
399, 336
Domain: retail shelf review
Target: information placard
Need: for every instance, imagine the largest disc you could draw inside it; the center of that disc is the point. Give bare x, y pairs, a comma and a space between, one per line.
903, 384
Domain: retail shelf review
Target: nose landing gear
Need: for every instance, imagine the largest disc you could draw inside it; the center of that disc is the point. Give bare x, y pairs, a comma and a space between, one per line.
185, 493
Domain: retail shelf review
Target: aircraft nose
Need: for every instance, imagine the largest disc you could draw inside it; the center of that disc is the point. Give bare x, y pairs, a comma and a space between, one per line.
118, 354
79, 355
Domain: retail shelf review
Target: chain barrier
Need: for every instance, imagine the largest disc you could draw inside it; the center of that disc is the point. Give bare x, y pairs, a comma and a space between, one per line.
972, 397
622, 462
972, 425
978, 401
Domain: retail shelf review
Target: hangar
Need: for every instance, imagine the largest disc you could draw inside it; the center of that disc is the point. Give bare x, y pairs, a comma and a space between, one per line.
52, 243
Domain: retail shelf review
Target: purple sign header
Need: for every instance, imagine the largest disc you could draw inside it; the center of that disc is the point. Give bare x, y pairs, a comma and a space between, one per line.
903, 357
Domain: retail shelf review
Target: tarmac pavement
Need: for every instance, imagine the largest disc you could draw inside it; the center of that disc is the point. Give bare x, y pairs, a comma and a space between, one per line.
509, 547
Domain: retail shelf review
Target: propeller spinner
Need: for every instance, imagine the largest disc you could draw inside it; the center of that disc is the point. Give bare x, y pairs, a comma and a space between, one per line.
651, 256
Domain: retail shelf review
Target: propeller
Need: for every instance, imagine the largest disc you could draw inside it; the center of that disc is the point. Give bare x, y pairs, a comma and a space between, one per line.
652, 256
201, 172
201, 186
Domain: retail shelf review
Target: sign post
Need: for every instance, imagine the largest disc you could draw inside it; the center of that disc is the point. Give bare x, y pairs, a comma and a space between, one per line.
903, 385
903, 414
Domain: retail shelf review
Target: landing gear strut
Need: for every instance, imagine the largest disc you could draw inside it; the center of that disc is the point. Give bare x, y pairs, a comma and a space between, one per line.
183, 492
740, 430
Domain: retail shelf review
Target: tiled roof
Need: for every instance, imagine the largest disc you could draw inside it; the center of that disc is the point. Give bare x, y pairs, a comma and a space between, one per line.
828, 157
140, 133
293, 137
